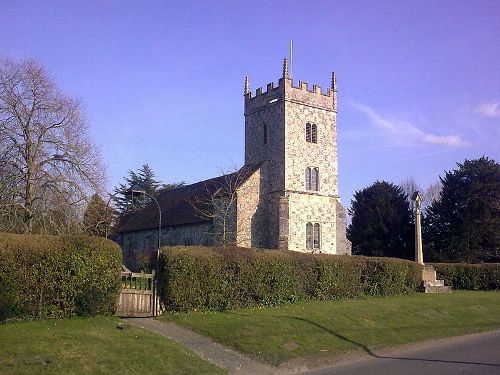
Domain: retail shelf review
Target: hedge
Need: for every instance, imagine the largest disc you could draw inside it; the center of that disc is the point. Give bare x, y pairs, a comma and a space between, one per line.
57, 276
200, 278
469, 276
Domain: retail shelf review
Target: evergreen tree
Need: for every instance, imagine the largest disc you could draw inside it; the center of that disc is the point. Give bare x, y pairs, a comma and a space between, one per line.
143, 179
464, 225
97, 217
381, 222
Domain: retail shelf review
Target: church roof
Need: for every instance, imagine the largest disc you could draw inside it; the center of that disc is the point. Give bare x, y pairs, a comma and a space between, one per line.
186, 204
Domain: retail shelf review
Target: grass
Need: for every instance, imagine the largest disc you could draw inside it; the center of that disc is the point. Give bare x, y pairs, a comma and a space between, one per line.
92, 346
318, 328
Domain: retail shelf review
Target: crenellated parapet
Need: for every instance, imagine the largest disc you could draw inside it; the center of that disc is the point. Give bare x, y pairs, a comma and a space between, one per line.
287, 90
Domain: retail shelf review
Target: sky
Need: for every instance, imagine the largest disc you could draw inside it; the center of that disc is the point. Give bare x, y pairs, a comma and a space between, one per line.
161, 82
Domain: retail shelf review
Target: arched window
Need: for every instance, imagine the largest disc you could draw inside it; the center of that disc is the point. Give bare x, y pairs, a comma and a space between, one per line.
314, 133
312, 179
313, 236
308, 178
311, 133
308, 132
309, 236
316, 237
315, 179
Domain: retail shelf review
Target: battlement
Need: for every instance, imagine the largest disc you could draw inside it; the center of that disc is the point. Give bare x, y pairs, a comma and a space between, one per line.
270, 88
288, 83
287, 91
316, 89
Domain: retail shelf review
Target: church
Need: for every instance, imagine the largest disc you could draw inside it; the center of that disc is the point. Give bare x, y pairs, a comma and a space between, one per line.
286, 195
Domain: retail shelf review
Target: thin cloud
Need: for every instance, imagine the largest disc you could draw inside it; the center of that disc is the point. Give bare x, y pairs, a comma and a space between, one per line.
489, 109
406, 131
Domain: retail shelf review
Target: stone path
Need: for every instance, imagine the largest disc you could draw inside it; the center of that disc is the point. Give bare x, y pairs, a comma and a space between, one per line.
219, 355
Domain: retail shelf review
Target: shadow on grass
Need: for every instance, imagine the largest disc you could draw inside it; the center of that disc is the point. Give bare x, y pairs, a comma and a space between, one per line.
368, 351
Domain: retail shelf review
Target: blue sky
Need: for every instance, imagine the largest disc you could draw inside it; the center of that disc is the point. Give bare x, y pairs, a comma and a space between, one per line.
162, 82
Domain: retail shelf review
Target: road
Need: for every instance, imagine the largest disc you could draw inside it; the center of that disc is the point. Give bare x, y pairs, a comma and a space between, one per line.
472, 354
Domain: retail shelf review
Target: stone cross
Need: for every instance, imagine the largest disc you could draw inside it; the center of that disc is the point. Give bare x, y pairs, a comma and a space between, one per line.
419, 256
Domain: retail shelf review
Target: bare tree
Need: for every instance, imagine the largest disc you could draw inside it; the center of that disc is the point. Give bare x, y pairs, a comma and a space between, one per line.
409, 187
429, 195
218, 203
47, 162
433, 193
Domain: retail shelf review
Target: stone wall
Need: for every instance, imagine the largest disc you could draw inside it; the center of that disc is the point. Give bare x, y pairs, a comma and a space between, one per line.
301, 107
251, 212
310, 208
265, 112
140, 244
344, 246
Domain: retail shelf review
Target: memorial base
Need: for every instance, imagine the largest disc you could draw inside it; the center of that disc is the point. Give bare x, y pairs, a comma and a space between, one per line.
430, 284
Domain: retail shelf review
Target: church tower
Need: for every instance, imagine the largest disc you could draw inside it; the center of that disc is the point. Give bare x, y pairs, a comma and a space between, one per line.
291, 132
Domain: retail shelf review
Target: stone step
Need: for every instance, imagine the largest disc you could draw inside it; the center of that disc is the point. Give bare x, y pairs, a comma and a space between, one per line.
437, 289
434, 283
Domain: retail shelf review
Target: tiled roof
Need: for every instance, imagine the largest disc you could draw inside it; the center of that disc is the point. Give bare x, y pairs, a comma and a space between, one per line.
184, 205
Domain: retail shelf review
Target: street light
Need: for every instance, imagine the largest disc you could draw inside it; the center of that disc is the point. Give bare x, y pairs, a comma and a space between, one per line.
136, 190
139, 191
111, 196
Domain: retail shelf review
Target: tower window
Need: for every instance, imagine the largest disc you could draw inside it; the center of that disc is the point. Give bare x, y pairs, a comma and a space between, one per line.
309, 236
311, 133
308, 178
265, 133
313, 239
316, 239
312, 179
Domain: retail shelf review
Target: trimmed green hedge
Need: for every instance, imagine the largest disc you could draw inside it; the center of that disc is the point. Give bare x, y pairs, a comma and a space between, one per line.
204, 278
57, 276
469, 276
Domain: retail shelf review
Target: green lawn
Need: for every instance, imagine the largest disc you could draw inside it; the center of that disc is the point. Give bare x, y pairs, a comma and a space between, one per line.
313, 329
92, 346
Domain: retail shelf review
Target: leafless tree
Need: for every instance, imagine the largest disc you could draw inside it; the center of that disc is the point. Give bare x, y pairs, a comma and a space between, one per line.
433, 193
429, 195
48, 165
218, 204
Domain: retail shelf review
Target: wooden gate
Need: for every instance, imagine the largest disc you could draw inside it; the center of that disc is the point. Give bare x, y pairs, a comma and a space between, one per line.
137, 295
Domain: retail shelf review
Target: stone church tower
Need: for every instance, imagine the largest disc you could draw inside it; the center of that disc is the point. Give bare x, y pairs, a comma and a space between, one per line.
285, 196
291, 132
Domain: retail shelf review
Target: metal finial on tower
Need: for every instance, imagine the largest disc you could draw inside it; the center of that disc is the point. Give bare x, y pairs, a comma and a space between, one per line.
334, 82
247, 86
285, 68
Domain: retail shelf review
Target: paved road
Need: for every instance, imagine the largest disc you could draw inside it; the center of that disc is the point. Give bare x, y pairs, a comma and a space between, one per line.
473, 354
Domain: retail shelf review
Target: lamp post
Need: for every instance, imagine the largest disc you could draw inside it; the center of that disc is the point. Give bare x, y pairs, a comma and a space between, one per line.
111, 196
139, 191
419, 256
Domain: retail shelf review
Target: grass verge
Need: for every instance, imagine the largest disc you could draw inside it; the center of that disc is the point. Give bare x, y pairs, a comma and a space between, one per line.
92, 346
318, 328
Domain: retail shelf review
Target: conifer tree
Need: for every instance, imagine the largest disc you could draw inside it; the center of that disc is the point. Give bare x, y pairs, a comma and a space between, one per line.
464, 225
143, 179
381, 222
97, 218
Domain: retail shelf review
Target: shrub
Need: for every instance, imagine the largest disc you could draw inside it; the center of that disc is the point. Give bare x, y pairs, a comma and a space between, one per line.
469, 276
7, 298
221, 278
58, 276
